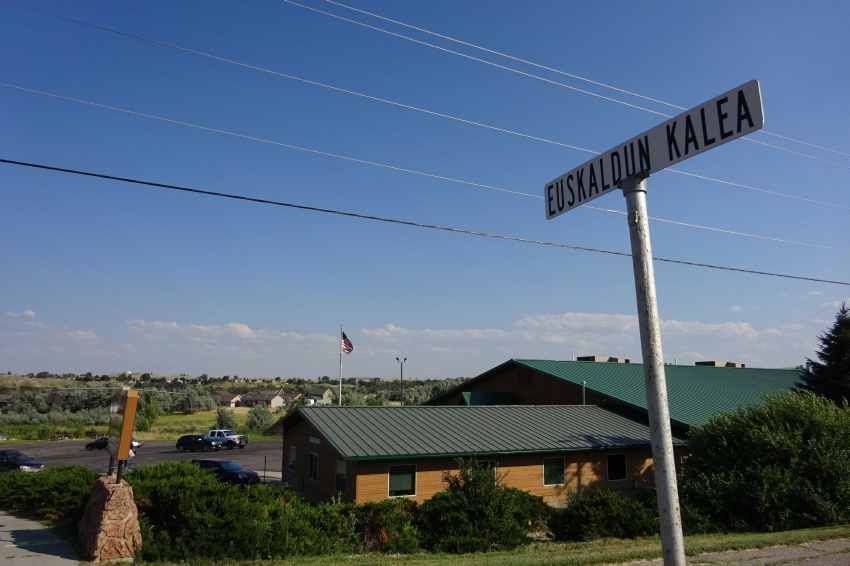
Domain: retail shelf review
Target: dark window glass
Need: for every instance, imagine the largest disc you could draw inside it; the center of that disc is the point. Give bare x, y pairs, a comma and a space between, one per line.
402, 480
616, 467
553, 471
314, 467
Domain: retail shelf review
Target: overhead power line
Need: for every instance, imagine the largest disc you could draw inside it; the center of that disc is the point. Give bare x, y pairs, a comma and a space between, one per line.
560, 71
402, 222
410, 107
405, 170
543, 79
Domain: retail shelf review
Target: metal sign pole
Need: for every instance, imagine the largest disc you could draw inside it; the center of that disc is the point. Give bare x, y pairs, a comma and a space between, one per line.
634, 189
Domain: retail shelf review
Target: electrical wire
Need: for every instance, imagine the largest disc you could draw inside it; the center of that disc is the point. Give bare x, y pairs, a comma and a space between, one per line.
397, 104
402, 222
426, 174
559, 71
540, 78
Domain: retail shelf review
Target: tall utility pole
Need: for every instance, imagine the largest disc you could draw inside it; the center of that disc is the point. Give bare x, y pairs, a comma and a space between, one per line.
401, 362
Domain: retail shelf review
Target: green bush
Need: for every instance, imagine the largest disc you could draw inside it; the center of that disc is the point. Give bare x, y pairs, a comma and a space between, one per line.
187, 514
57, 495
387, 526
475, 513
259, 419
782, 465
600, 513
224, 419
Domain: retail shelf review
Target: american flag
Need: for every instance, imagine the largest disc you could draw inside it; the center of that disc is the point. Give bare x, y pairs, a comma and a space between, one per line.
346, 344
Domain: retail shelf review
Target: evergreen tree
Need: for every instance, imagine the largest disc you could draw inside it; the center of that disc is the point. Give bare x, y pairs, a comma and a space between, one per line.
830, 376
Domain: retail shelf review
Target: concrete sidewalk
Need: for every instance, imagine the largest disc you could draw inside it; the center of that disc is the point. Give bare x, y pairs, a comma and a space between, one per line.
28, 543
834, 552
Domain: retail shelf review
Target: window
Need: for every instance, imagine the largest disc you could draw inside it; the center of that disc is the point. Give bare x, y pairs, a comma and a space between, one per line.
616, 467
553, 471
402, 480
340, 476
313, 472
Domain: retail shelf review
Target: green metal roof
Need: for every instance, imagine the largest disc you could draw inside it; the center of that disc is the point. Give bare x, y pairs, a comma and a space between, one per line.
695, 393
380, 433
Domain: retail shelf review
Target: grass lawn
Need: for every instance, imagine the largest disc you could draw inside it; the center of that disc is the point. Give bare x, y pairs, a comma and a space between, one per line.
169, 427
570, 554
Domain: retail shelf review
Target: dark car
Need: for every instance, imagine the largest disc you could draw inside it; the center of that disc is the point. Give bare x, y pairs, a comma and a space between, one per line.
229, 472
197, 443
98, 444
12, 460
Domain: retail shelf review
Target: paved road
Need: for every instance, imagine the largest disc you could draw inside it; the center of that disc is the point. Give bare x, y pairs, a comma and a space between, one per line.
27, 543
67, 452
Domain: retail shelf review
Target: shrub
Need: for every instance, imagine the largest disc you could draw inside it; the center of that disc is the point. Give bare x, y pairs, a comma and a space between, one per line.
782, 465
259, 419
57, 495
387, 526
599, 513
186, 513
475, 513
224, 418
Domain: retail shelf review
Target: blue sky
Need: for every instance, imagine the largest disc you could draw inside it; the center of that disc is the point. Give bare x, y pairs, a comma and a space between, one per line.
105, 277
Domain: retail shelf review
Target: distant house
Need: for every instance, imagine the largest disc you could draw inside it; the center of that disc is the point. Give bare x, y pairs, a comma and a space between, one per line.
319, 395
271, 400
374, 453
227, 399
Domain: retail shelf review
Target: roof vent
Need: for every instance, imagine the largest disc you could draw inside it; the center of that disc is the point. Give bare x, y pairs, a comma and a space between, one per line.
603, 359
721, 364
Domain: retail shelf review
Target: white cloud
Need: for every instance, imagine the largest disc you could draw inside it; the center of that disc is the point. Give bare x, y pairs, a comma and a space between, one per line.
170, 346
27, 314
835, 305
736, 308
565, 335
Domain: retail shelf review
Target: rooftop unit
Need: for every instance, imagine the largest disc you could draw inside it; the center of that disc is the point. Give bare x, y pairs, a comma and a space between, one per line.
603, 359
721, 364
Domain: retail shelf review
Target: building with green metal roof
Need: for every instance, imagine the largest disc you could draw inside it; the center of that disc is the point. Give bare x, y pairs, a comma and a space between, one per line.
695, 393
371, 453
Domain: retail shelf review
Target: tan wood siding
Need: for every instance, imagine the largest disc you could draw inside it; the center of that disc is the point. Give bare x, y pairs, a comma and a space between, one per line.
581, 470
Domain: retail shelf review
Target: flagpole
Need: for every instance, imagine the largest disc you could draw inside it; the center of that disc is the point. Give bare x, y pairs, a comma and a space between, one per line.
340, 366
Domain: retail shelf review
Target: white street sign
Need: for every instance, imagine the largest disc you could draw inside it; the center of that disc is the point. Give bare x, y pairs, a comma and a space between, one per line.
722, 119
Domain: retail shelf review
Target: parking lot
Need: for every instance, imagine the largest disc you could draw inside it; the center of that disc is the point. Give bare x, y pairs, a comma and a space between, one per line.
259, 455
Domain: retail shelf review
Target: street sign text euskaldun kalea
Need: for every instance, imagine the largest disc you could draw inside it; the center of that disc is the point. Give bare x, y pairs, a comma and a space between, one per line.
627, 166
722, 119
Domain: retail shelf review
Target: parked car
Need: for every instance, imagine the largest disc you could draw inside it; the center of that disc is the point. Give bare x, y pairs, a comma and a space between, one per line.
228, 438
197, 443
102, 442
12, 460
98, 444
229, 472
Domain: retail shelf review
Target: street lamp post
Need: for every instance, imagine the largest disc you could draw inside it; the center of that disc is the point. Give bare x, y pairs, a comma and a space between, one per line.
401, 362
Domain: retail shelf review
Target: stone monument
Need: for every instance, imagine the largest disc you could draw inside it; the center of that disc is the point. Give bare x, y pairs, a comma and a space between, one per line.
109, 529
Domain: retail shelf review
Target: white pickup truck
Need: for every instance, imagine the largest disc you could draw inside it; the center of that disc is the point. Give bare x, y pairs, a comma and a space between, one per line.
228, 438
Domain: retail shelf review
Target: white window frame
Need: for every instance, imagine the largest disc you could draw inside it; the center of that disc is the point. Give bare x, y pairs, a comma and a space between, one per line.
563, 462
608, 470
415, 475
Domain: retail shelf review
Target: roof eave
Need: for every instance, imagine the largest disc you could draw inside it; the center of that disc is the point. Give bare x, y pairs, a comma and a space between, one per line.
428, 456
